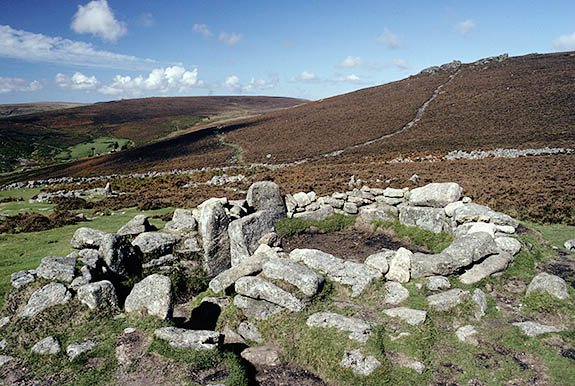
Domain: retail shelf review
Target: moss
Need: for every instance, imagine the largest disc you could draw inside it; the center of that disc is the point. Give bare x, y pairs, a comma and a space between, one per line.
333, 223
435, 242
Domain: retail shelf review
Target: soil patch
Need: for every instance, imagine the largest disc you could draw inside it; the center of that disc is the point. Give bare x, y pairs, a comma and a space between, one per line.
285, 375
563, 266
348, 244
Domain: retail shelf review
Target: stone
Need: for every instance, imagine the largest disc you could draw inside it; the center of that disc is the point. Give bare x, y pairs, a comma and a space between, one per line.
85, 277
350, 208
182, 222
570, 245
435, 283
189, 339
314, 206
101, 295
489, 266
401, 360
266, 196
4, 321
160, 261
256, 309
271, 239
505, 229
379, 260
228, 277
480, 299
368, 215
393, 193
333, 202
508, 244
21, 278
155, 244
483, 227
139, 224
389, 201
399, 266
436, 195
360, 330
189, 245
474, 213
359, 363
302, 199
90, 257
249, 331
120, 256
356, 275
466, 334
87, 238
4, 359
261, 289
396, 293
551, 284
47, 346
447, 300
245, 233
48, 296
533, 329
306, 280
322, 213
213, 227
431, 219
76, 349
57, 268
450, 208
408, 315
470, 248
154, 295
262, 356
291, 203
232, 338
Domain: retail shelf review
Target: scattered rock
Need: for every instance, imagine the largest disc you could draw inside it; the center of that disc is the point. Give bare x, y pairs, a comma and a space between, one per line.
120, 256
191, 339
155, 244
101, 294
359, 363
213, 227
153, 295
360, 330
76, 349
258, 288
296, 274
4, 321
480, 299
533, 328
447, 300
435, 283
396, 293
399, 266
262, 356
553, 285
21, 278
401, 360
4, 359
466, 334
249, 331
570, 245
256, 309
408, 315
47, 346
50, 295
87, 238
139, 224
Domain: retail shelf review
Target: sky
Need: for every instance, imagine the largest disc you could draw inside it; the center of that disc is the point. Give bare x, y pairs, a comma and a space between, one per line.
101, 50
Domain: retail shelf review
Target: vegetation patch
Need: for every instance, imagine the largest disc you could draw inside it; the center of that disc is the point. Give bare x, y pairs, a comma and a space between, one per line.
97, 146
334, 223
435, 242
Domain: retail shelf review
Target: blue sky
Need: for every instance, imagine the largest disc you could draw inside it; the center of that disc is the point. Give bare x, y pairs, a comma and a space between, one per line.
88, 51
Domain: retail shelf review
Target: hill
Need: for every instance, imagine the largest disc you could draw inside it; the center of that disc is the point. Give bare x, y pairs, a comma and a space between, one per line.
45, 137
12, 110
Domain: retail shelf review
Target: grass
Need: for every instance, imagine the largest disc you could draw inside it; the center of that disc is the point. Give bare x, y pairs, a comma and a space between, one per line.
555, 234
101, 145
333, 223
238, 150
14, 207
435, 242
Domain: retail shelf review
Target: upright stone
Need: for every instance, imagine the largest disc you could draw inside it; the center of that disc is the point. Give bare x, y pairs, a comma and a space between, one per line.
120, 256
153, 295
213, 227
266, 195
245, 233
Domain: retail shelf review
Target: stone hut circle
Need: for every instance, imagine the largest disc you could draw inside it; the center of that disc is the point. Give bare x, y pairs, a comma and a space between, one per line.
236, 246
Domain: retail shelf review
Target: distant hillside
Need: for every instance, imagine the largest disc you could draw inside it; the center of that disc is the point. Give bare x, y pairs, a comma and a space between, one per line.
13, 110
51, 136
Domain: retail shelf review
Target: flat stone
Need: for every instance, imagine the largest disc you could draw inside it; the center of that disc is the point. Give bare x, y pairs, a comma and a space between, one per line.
408, 315
90, 257
482, 227
87, 238
48, 296
21, 278
471, 248
322, 213
256, 309
551, 284
368, 215
306, 280
360, 330
436, 195
163, 260
466, 334
508, 244
396, 293
435, 283
302, 199
261, 289
359, 363
447, 300
262, 356
533, 329
474, 213
350, 208
489, 266
190, 339
182, 222
154, 295
393, 193
76, 349
431, 219
450, 208
57, 268
400, 266
47, 346
155, 244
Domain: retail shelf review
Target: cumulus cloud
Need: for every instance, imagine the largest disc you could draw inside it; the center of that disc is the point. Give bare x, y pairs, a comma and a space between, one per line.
307, 76
18, 44
347, 79
97, 18
388, 39
465, 27
160, 80
234, 84
203, 30
78, 81
565, 42
8, 85
350, 62
230, 39
400, 63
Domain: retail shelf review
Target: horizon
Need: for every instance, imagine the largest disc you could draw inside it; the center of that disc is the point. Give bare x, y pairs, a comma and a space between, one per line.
107, 50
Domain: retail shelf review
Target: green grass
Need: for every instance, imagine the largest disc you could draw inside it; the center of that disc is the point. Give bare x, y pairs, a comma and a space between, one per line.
555, 234
435, 242
238, 150
101, 145
14, 207
333, 223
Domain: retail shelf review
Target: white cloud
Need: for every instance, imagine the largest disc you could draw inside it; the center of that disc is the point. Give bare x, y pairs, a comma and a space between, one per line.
350, 62
78, 81
26, 45
388, 39
465, 27
402, 64
565, 42
146, 20
307, 75
347, 79
203, 30
8, 85
230, 39
97, 18
233, 83
161, 80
